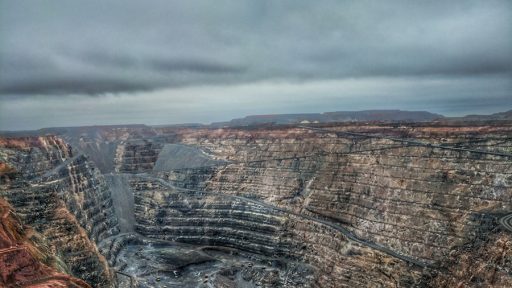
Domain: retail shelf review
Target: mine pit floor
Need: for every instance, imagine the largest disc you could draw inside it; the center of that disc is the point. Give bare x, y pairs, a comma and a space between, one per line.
167, 264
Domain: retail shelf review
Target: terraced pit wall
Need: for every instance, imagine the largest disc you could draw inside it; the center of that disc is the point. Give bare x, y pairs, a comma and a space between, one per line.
64, 198
422, 202
363, 211
217, 220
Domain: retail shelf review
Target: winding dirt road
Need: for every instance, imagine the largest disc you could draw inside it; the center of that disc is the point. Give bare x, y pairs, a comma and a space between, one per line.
505, 221
407, 141
348, 234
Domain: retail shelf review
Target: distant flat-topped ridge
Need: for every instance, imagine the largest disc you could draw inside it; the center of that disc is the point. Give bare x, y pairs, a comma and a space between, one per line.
507, 115
363, 116
337, 116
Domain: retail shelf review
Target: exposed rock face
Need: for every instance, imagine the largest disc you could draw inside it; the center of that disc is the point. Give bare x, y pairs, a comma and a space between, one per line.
410, 206
64, 198
203, 219
482, 263
25, 260
416, 200
420, 201
137, 156
99, 143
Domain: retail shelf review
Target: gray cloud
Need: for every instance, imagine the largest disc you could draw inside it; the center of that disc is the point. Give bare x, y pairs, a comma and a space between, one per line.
221, 102
96, 73
64, 86
169, 61
95, 47
165, 65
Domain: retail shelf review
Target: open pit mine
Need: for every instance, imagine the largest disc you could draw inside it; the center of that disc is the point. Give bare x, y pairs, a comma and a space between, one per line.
324, 205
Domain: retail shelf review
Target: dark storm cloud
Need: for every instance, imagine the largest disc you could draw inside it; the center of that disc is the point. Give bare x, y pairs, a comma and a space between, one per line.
158, 64
63, 86
95, 47
170, 61
99, 73
193, 66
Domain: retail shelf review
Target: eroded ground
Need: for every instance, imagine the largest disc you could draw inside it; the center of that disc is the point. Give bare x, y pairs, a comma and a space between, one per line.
342, 206
157, 263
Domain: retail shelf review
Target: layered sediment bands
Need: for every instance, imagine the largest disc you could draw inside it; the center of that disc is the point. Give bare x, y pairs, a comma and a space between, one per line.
204, 219
87, 196
25, 260
67, 202
98, 143
190, 178
39, 154
486, 262
399, 206
137, 156
207, 220
110, 247
417, 200
344, 263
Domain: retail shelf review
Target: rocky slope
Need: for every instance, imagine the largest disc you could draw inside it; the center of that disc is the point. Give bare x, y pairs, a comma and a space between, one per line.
481, 263
64, 198
216, 220
25, 259
421, 201
338, 205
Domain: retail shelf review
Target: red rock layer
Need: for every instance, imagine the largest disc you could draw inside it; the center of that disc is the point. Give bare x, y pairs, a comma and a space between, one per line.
64, 198
21, 260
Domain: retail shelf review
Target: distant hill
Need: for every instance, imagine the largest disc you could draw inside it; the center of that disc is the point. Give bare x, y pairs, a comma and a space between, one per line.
141, 130
507, 115
338, 116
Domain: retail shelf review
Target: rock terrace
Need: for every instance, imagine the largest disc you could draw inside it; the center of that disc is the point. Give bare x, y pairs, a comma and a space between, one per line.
335, 205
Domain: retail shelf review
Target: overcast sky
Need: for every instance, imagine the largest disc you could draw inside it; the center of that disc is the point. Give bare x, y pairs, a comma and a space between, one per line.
67, 63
